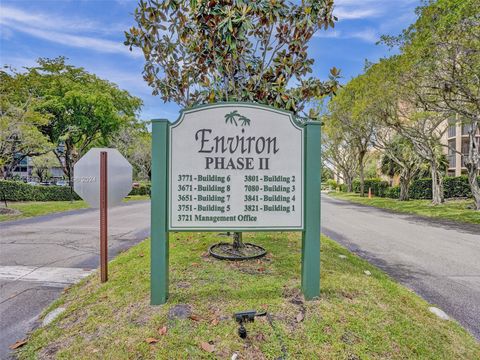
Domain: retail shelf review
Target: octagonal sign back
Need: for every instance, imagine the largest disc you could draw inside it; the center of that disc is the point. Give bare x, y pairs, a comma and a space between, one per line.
87, 177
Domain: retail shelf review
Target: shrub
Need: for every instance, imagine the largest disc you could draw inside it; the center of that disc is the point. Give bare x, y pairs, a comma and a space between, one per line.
393, 192
19, 191
143, 189
455, 187
378, 186
421, 189
332, 183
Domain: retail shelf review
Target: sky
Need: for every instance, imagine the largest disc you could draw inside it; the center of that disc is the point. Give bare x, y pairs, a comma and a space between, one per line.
90, 33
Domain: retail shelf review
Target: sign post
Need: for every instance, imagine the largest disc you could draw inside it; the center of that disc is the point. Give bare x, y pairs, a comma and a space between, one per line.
311, 234
103, 177
103, 216
159, 214
235, 167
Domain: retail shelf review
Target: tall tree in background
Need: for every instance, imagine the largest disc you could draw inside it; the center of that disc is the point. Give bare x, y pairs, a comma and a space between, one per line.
20, 122
400, 158
134, 142
443, 50
81, 108
42, 165
351, 115
338, 152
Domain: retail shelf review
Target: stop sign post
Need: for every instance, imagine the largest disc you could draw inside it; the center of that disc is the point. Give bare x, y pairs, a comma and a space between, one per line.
103, 177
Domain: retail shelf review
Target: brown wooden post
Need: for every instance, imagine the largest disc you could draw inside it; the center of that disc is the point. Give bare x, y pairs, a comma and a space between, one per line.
103, 217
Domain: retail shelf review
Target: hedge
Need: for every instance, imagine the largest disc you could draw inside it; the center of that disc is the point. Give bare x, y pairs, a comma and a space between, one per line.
379, 187
393, 192
454, 187
143, 189
19, 191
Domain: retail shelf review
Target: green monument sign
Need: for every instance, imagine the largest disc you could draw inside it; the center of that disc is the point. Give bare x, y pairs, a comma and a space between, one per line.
237, 167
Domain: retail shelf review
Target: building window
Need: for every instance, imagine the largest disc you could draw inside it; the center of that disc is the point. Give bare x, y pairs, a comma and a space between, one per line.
452, 128
452, 154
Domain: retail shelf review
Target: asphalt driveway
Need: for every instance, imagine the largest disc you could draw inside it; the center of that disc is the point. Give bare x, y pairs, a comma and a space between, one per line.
40, 256
439, 260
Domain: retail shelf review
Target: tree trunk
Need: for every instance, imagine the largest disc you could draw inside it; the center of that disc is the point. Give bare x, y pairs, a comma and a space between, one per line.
472, 179
437, 184
404, 189
348, 182
472, 163
237, 240
361, 156
405, 178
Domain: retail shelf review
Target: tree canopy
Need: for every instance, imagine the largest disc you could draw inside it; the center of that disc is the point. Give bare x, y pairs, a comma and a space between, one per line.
232, 50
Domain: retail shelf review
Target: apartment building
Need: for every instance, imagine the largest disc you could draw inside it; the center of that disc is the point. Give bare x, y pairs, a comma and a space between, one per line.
457, 143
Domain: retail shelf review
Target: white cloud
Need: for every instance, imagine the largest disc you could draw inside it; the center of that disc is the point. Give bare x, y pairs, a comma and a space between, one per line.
329, 34
69, 32
10, 15
368, 35
344, 13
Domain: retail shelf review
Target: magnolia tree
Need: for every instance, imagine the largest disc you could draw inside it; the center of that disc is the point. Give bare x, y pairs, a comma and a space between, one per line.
232, 50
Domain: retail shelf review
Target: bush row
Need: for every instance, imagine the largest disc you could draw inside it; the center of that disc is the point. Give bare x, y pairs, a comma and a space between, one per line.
379, 187
19, 191
454, 187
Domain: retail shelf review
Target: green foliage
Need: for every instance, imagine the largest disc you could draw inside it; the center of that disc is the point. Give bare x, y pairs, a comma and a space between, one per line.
143, 189
80, 107
332, 183
393, 192
42, 165
19, 191
421, 189
134, 141
458, 187
20, 124
454, 187
209, 51
378, 186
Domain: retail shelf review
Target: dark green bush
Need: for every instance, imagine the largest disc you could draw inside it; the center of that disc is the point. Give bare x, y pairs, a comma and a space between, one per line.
421, 189
453, 187
19, 191
457, 187
378, 186
393, 192
143, 189
343, 187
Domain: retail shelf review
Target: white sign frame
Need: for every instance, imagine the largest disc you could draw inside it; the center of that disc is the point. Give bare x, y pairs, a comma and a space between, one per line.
255, 112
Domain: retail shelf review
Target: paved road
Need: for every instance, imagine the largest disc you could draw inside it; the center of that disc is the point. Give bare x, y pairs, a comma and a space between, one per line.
438, 260
41, 256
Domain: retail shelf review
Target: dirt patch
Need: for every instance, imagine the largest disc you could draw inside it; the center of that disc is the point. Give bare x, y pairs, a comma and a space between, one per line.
9, 211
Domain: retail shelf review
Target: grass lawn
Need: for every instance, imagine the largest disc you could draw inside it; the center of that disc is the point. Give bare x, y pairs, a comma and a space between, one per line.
457, 210
36, 208
357, 316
